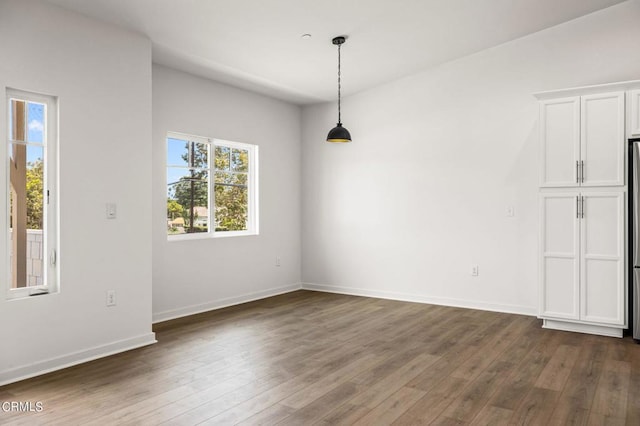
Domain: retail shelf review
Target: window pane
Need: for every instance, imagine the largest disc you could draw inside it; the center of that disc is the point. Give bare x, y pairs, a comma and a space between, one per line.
34, 187
35, 122
231, 203
187, 201
177, 152
35, 153
231, 178
185, 153
179, 185
222, 177
239, 160
198, 155
26, 204
17, 118
222, 158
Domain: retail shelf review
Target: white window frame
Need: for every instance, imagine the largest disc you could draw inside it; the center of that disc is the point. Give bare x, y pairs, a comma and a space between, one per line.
50, 182
252, 182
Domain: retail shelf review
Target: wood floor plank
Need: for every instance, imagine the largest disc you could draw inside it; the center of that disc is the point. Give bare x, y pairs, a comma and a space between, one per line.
569, 411
583, 380
345, 414
434, 402
397, 360
556, 373
448, 421
475, 396
316, 410
491, 415
390, 383
597, 419
536, 408
392, 407
330, 381
519, 383
328, 359
492, 349
269, 416
611, 395
633, 399
252, 399
443, 368
296, 393
198, 398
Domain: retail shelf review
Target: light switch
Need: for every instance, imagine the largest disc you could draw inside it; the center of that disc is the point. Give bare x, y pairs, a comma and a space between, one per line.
111, 210
511, 211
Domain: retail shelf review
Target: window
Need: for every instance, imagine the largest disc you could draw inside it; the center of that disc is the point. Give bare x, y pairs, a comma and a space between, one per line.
30, 194
212, 187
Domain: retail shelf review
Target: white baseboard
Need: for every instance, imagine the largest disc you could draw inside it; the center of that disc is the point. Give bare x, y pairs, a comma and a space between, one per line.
458, 303
582, 328
58, 363
222, 303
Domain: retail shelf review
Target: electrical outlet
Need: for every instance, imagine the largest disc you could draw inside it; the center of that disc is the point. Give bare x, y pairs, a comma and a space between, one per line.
111, 210
277, 260
474, 270
111, 298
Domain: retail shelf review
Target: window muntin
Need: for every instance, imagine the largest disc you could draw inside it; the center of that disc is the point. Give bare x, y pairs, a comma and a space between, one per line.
30, 193
200, 207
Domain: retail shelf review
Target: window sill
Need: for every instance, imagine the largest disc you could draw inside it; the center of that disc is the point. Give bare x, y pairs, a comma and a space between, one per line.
210, 236
28, 292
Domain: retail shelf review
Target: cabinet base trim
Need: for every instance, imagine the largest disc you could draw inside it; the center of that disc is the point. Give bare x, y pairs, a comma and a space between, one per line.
582, 328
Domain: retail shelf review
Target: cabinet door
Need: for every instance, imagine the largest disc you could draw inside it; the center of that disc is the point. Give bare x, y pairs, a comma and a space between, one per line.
634, 112
559, 257
560, 141
602, 251
602, 143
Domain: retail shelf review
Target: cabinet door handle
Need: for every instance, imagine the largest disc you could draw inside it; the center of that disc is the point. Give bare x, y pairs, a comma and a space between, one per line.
577, 172
582, 207
577, 207
582, 171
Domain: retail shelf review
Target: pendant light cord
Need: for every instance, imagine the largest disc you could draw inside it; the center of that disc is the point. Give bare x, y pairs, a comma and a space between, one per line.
339, 120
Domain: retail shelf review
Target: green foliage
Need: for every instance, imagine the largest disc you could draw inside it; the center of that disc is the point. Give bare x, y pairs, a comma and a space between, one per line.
35, 192
231, 190
174, 209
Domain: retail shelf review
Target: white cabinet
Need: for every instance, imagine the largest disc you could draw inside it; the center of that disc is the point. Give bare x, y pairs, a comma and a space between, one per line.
602, 258
602, 143
582, 140
560, 141
582, 261
582, 256
634, 112
560, 256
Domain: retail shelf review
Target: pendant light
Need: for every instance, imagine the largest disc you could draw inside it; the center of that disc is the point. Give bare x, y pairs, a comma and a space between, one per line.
339, 133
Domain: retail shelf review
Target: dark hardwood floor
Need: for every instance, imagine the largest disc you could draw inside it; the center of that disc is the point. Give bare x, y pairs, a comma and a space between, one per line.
315, 358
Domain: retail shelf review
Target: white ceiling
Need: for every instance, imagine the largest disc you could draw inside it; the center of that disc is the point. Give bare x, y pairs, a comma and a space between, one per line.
257, 44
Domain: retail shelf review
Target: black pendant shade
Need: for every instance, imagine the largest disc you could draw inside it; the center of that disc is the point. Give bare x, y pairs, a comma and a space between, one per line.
339, 134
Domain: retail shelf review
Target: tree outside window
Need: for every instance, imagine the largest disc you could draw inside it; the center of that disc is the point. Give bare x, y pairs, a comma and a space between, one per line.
197, 205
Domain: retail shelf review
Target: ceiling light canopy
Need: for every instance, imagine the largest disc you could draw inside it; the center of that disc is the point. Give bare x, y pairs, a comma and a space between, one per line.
339, 134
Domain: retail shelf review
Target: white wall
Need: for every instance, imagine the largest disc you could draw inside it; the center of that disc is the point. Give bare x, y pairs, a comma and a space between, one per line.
197, 275
421, 194
102, 77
